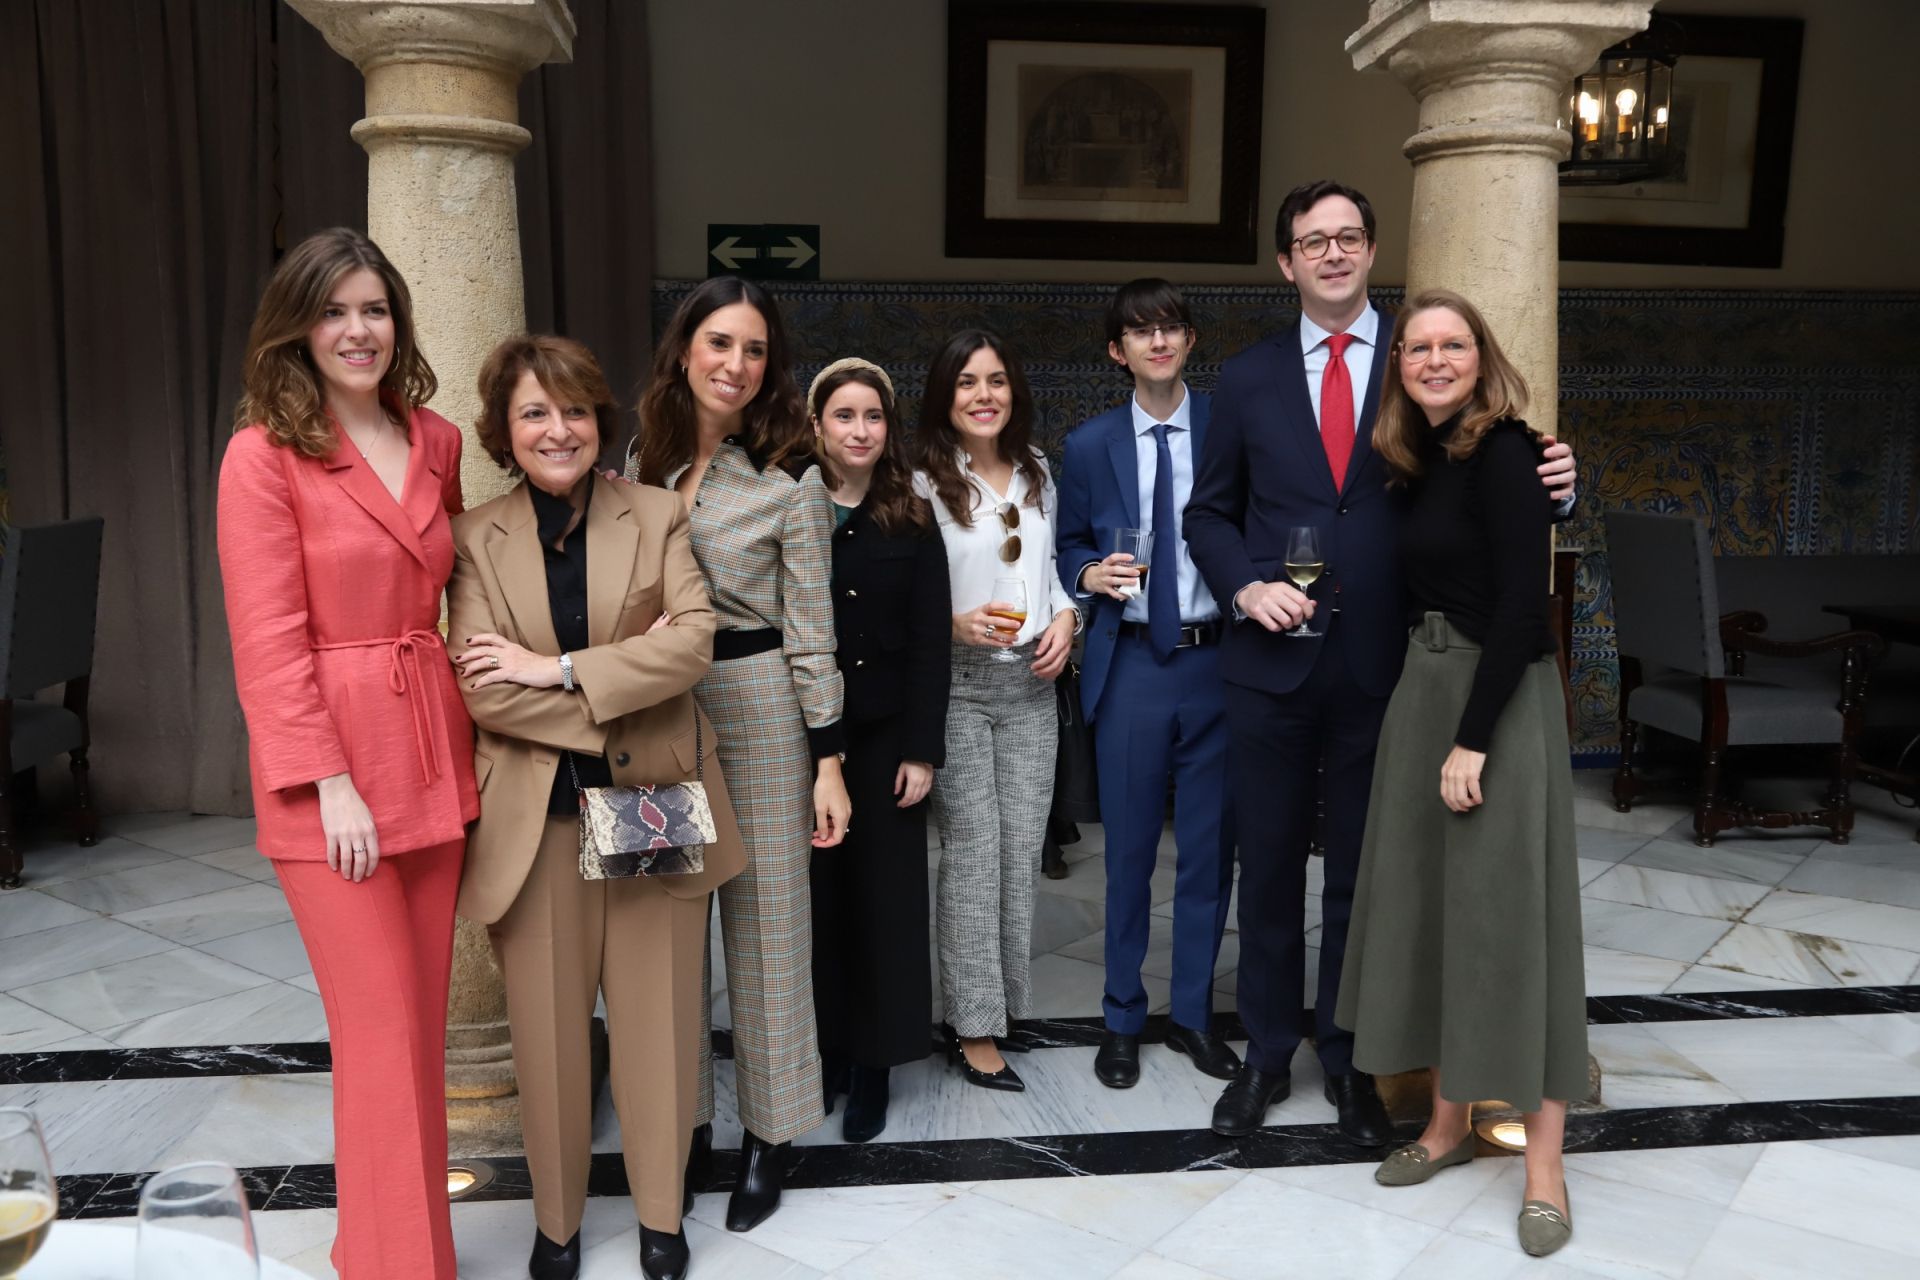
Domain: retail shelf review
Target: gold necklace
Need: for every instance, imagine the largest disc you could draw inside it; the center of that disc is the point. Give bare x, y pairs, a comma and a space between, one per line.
373, 443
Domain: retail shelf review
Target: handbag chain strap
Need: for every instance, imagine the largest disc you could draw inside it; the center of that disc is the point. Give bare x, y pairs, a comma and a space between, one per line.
699, 757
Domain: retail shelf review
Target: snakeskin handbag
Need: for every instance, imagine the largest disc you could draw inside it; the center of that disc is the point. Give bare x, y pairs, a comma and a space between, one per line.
661, 830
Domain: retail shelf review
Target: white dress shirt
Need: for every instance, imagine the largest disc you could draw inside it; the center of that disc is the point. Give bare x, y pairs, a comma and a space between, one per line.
973, 552
1315, 352
1196, 602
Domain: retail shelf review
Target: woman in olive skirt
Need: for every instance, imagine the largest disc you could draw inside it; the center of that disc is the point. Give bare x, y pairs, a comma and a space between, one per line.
1464, 954
872, 985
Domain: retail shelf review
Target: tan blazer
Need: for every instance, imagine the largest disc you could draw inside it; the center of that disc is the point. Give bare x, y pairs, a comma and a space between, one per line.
634, 703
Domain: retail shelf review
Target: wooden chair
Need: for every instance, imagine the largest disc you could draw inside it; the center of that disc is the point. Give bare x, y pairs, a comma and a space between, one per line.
1683, 670
49, 588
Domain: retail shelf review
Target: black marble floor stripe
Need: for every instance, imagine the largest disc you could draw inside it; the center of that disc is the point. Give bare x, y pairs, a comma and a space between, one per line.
310, 1186
79, 1065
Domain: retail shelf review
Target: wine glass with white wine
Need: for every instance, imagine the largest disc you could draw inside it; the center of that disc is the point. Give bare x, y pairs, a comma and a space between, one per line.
29, 1201
1305, 563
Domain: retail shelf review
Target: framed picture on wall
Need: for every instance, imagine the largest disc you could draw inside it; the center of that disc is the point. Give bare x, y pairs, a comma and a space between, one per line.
1736, 86
1117, 131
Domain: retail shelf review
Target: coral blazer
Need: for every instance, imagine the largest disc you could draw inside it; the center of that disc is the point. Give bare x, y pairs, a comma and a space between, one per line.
333, 605
635, 701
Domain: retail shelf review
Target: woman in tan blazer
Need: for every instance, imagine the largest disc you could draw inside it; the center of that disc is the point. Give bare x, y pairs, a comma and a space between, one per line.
580, 624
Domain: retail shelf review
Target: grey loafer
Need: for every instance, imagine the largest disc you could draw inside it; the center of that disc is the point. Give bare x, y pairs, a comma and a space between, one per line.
1410, 1165
1543, 1228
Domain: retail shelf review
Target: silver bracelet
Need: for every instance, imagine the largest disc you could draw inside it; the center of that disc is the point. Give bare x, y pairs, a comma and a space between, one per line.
566, 673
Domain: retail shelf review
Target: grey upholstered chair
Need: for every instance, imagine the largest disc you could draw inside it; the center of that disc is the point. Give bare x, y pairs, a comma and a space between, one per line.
49, 586
1682, 670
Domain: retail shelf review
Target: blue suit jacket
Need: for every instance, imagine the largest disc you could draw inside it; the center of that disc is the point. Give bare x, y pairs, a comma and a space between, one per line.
1100, 491
1263, 471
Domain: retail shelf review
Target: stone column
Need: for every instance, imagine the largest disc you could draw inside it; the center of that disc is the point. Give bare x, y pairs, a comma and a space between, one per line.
441, 132
1492, 81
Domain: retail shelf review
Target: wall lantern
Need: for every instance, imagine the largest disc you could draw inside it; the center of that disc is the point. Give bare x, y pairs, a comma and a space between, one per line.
1619, 112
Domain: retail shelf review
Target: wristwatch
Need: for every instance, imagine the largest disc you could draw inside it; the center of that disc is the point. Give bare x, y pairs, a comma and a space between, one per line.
566, 673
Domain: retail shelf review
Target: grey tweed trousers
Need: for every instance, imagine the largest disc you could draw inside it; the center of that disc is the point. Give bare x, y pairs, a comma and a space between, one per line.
990, 804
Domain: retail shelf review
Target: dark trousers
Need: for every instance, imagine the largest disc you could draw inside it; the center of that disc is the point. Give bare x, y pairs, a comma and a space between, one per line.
1158, 722
1278, 742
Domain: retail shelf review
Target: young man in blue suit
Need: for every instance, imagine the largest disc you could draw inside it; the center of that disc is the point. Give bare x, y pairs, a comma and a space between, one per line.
1151, 685
1291, 445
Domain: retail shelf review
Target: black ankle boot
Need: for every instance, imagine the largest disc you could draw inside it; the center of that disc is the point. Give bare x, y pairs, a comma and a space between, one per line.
662, 1256
835, 1079
699, 1165
867, 1096
552, 1261
757, 1192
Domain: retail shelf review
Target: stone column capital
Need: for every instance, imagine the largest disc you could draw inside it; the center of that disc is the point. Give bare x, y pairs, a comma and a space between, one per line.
511, 36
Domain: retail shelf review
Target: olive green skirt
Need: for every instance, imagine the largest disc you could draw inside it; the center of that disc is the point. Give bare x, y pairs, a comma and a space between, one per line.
1464, 953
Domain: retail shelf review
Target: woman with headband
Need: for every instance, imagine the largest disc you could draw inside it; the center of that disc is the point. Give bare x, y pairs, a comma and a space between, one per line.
871, 980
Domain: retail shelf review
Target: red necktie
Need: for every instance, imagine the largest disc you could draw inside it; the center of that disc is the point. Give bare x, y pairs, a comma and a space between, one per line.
1336, 408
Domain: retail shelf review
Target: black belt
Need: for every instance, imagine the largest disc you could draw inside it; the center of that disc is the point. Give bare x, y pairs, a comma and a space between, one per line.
728, 645
1191, 633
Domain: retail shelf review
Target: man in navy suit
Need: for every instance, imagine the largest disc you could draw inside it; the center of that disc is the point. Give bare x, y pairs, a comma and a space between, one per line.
1151, 685
1291, 445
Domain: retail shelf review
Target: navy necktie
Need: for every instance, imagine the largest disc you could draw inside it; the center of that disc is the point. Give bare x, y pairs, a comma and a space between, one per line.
1163, 584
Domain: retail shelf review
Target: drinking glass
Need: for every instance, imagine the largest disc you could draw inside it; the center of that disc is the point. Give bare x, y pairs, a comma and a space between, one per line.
1137, 543
194, 1225
1012, 594
1305, 563
29, 1202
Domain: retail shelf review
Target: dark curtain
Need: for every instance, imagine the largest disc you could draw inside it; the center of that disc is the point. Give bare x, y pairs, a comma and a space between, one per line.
161, 154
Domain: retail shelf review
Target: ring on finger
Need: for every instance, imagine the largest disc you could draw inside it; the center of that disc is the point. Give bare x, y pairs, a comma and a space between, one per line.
494, 660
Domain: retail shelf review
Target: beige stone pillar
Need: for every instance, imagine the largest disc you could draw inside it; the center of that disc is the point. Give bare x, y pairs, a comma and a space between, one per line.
441, 132
1492, 77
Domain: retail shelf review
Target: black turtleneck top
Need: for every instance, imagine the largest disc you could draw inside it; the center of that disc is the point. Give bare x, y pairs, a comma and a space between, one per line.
1475, 547
567, 598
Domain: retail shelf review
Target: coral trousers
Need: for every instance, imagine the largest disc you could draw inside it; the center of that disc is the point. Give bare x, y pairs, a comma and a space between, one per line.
382, 951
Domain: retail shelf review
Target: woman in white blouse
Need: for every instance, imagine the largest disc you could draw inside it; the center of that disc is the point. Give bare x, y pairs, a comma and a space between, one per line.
996, 507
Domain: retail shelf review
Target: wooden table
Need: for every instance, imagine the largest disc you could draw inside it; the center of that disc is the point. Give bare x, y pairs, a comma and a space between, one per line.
104, 1251
1896, 624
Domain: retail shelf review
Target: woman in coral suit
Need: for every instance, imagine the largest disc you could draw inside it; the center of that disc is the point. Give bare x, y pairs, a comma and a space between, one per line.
335, 547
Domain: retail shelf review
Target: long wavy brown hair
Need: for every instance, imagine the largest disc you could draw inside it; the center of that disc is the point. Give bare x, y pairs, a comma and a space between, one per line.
279, 387
1499, 393
774, 422
891, 502
940, 439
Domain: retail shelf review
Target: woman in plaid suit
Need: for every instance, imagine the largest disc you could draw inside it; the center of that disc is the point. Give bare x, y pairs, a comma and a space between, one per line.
722, 425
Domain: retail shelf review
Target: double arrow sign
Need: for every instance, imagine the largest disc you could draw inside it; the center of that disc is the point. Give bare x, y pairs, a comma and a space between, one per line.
763, 251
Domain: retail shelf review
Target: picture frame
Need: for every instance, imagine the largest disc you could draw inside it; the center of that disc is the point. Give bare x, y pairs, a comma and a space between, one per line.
1736, 94
1115, 131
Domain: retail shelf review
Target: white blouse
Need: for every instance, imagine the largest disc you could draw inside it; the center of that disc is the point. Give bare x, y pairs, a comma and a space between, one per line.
973, 553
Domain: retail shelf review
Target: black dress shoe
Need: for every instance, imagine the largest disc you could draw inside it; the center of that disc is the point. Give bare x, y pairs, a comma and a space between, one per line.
757, 1194
1117, 1065
552, 1261
1214, 1056
1053, 862
699, 1165
662, 1256
867, 1097
1363, 1117
1243, 1107
1005, 1079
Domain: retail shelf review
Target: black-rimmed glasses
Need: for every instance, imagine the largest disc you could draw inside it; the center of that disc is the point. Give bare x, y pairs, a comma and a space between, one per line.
1175, 331
1314, 244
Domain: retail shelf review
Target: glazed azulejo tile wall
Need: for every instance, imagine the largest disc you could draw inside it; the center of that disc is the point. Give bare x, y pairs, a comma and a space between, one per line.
1787, 419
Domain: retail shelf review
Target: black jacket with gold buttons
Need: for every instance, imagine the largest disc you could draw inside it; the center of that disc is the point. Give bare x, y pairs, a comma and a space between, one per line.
892, 621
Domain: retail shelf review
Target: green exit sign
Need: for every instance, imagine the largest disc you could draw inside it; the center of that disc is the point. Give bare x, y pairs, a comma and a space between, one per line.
764, 250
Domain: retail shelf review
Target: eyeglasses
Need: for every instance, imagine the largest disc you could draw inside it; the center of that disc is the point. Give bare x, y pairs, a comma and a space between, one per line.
1009, 521
1451, 350
1175, 331
1314, 245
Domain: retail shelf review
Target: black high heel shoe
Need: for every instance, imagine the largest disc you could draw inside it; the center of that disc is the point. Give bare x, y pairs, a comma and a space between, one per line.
757, 1194
1005, 1079
867, 1099
699, 1165
552, 1261
663, 1256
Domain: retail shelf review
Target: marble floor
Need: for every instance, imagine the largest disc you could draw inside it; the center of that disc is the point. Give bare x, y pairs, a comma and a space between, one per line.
1755, 1010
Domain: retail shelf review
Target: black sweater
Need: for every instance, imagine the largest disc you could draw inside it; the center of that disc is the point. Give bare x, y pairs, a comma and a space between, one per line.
1474, 543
